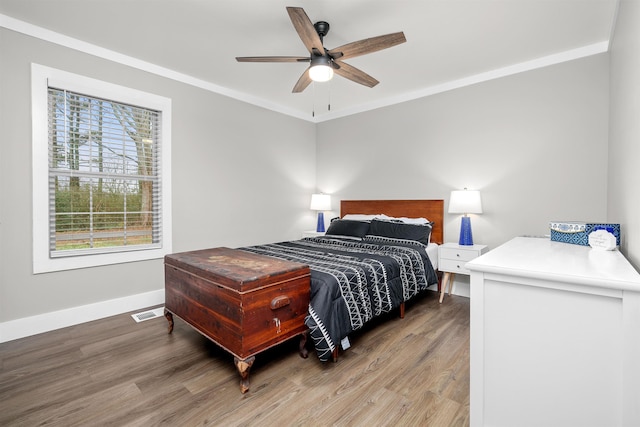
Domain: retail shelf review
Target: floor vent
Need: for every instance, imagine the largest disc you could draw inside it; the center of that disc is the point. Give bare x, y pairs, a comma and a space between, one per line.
149, 314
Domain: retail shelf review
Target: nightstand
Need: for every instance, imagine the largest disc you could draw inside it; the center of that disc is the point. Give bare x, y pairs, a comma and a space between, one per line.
312, 233
452, 259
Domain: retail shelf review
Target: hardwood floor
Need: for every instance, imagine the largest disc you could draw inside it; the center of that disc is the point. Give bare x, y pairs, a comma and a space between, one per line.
411, 371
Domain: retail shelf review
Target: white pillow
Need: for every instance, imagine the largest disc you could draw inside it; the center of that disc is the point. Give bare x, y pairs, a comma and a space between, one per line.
404, 219
363, 217
419, 221
360, 217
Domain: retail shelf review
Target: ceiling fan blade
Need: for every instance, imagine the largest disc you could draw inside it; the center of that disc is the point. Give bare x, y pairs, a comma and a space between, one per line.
273, 59
352, 73
369, 45
302, 82
306, 30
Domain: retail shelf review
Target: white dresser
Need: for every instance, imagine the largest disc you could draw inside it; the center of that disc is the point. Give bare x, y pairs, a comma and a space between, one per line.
555, 336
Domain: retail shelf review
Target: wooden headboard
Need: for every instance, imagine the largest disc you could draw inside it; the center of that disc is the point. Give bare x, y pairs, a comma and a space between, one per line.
433, 210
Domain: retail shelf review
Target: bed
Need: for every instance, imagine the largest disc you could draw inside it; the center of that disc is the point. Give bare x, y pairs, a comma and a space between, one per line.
374, 258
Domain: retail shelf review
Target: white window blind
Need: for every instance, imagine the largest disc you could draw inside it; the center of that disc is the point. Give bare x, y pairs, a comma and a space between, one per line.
105, 189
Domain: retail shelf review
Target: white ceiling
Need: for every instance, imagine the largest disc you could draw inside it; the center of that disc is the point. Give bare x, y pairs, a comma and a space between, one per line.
450, 43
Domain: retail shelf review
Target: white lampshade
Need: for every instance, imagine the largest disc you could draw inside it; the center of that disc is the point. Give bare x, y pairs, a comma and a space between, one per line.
465, 202
320, 202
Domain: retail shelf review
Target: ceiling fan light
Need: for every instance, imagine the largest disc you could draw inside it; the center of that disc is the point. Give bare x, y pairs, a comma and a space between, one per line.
321, 73
321, 69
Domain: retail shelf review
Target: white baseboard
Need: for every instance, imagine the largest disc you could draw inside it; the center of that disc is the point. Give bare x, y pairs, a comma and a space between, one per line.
27, 326
461, 288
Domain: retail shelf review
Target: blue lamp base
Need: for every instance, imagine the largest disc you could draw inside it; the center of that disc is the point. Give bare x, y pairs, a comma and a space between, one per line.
320, 227
466, 238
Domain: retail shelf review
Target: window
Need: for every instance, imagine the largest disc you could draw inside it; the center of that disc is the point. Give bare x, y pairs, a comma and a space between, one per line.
104, 178
101, 172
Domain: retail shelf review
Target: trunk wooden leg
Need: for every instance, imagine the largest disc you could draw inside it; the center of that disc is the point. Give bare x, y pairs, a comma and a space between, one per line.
402, 310
335, 354
304, 353
243, 367
169, 317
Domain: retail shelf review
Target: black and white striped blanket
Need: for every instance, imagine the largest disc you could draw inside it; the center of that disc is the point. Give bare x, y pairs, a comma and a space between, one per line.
353, 281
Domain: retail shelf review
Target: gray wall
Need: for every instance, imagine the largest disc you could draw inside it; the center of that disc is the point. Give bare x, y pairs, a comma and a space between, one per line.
241, 175
534, 143
624, 133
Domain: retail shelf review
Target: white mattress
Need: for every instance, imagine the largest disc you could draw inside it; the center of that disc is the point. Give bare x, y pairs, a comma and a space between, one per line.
432, 251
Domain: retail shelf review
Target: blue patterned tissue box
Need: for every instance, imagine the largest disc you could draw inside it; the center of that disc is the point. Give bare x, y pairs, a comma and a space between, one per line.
577, 233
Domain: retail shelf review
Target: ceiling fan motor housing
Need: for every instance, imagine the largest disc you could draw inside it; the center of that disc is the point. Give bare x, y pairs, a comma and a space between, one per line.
322, 28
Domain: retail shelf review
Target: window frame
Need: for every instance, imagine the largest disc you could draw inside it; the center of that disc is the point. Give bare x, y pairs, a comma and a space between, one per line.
41, 78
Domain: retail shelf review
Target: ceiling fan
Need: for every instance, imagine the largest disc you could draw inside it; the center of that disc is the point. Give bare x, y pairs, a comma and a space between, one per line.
324, 62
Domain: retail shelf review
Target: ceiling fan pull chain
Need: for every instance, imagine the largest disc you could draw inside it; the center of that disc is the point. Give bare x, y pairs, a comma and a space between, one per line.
329, 105
313, 102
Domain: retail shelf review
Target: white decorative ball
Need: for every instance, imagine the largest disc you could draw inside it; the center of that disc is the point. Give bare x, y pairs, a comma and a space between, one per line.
602, 240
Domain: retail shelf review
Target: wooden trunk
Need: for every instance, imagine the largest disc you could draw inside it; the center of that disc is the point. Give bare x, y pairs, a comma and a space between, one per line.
242, 301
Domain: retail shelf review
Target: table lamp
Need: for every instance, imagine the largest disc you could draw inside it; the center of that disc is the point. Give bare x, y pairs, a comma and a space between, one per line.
320, 203
465, 202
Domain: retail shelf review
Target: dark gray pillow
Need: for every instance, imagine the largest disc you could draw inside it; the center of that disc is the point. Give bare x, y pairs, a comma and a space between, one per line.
347, 227
399, 230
